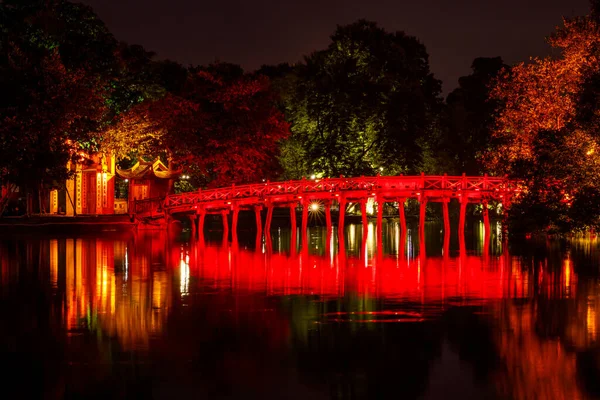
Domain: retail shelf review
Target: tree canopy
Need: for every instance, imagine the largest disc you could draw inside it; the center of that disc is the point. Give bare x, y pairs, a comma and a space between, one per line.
222, 124
366, 103
545, 130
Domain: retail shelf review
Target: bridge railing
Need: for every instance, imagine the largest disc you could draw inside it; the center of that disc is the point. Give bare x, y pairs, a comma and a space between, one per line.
377, 183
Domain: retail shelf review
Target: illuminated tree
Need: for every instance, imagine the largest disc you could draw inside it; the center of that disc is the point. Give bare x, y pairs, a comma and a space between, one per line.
56, 114
544, 130
63, 78
222, 127
366, 102
543, 95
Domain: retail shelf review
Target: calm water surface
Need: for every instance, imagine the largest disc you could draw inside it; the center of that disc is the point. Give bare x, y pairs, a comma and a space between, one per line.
157, 315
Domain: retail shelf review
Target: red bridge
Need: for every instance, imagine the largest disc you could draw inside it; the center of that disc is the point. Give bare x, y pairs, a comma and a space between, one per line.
323, 193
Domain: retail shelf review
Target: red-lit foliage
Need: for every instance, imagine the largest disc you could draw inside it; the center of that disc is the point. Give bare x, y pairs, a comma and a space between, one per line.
542, 95
54, 113
225, 130
541, 137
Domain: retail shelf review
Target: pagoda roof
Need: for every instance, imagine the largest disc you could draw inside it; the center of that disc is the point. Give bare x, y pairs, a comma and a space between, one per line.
148, 169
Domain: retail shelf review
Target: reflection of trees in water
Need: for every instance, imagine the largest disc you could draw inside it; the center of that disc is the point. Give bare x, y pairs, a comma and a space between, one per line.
534, 367
548, 344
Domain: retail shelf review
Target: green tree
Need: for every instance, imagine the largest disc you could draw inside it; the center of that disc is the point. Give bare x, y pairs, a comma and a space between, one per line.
367, 102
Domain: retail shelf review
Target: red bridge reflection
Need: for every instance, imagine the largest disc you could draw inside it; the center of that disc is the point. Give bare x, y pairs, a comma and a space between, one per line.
131, 285
135, 290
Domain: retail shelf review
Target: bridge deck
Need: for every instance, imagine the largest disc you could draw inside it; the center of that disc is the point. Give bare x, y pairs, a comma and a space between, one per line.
383, 188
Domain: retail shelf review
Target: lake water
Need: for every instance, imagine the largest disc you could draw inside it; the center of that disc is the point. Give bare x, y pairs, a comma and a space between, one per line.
157, 315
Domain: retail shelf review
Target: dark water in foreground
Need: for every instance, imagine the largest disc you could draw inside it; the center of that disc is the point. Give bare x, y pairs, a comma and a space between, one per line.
157, 317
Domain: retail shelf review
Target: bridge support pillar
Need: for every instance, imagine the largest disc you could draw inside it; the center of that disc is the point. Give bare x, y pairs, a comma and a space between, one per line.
293, 217
422, 209
304, 231
402, 215
293, 229
402, 244
258, 219
363, 213
341, 216
461, 221
269, 219
486, 219
328, 215
193, 227
200, 224
365, 221
505, 206
224, 217
380, 204
234, 222
446, 217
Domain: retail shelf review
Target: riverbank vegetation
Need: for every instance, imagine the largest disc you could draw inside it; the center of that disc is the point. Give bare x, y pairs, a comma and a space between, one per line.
366, 104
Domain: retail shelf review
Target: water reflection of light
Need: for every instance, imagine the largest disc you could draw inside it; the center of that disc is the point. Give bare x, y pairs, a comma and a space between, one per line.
567, 275
159, 283
184, 274
278, 239
54, 263
352, 237
396, 245
371, 205
480, 235
331, 248
371, 239
126, 272
410, 251
591, 321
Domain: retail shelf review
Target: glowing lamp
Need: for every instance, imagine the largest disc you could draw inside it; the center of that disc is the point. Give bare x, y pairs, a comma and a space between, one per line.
314, 206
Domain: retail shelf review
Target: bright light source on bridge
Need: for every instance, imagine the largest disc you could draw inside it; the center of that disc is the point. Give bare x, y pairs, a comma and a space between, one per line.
314, 207
313, 176
126, 180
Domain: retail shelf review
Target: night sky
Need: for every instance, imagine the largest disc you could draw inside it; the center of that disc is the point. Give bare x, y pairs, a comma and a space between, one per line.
252, 33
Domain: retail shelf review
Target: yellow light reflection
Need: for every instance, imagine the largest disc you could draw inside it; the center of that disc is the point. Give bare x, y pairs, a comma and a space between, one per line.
591, 323
184, 275
92, 300
54, 263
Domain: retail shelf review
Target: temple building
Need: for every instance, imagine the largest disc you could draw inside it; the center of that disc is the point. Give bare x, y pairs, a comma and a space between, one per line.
147, 180
91, 191
100, 187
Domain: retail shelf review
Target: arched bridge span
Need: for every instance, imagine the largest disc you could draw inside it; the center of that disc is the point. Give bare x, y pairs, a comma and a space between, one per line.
341, 191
